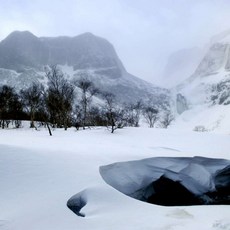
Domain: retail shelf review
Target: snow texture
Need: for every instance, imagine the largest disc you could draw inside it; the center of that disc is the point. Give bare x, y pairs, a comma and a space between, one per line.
197, 175
39, 174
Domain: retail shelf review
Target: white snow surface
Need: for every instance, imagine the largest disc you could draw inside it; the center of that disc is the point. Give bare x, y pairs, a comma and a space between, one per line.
212, 118
39, 173
202, 112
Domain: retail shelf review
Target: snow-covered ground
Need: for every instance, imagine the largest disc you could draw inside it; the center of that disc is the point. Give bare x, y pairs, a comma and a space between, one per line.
211, 118
39, 173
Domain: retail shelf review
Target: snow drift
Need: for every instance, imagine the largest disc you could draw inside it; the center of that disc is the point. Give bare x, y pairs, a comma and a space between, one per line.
38, 174
172, 181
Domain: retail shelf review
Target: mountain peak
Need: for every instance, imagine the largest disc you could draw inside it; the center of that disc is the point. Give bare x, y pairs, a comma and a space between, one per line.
87, 34
22, 49
20, 35
25, 55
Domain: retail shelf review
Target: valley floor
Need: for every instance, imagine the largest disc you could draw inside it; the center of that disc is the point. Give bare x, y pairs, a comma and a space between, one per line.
39, 173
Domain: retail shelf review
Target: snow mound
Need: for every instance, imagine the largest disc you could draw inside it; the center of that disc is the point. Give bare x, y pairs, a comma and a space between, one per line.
172, 181
77, 202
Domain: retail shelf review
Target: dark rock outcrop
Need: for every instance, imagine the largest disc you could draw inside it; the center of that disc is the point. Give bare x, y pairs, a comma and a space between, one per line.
181, 103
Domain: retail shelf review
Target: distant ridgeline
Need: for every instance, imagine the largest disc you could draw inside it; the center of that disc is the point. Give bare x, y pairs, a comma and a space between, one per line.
23, 57
74, 81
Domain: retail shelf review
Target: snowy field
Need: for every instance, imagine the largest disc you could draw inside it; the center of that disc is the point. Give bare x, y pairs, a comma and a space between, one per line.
39, 173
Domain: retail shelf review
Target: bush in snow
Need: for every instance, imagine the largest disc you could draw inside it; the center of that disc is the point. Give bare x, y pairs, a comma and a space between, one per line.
150, 114
114, 115
133, 113
11, 107
200, 128
167, 119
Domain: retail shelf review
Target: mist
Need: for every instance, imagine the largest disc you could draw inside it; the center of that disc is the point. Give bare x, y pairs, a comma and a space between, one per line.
144, 33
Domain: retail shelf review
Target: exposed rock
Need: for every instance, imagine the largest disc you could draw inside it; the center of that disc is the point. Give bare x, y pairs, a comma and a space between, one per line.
221, 92
181, 103
215, 58
23, 57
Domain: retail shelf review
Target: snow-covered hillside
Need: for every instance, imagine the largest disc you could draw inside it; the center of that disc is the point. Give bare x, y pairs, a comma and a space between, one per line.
127, 88
207, 92
23, 58
39, 173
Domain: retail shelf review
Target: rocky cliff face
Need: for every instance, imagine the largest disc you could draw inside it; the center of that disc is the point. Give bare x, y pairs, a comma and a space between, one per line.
85, 51
22, 50
181, 104
23, 57
217, 58
206, 91
209, 78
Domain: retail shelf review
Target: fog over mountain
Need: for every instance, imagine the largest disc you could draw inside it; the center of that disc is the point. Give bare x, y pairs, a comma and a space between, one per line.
23, 57
181, 65
24, 50
144, 33
204, 96
201, 76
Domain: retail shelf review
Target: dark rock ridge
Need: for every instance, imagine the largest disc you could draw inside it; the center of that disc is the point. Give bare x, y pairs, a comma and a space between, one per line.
181, 103
220, 92
172, 181
209, 84
23, 57
24, 50
216, 58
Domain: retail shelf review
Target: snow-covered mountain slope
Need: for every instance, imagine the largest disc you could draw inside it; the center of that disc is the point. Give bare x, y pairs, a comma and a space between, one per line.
180, 65
127, 88
206, 94
23, 57
38, 175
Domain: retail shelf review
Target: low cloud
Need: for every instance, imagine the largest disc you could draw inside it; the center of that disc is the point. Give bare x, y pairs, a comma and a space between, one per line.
144, 33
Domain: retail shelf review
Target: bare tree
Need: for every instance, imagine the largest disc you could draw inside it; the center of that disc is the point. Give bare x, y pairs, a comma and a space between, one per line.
96, 116
133, 112
167, 119
114, 114
32, 99
150, 115
10, 106
88, 90
77, 116
42, 114
59, 99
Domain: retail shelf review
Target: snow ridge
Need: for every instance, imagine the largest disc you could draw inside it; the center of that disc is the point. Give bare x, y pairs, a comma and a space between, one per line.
198, 176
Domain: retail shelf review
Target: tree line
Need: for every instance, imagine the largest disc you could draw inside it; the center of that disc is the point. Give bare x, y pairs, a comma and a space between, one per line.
60, 105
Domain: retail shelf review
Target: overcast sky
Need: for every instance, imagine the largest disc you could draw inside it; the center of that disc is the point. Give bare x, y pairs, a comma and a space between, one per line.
143, 32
